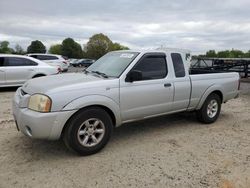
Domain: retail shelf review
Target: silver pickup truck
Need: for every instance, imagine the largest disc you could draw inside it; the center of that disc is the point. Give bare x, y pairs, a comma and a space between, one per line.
122, 86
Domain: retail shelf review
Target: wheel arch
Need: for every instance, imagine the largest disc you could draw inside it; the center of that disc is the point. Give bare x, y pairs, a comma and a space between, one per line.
103, 102
213, 89
219, 93
108, 110
38, 75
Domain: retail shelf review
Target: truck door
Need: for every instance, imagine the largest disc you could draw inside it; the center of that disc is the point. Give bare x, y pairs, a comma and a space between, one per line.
151, 95
182, 85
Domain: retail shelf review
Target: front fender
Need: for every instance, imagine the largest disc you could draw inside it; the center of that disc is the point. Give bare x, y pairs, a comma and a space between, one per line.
208, 91
91, 100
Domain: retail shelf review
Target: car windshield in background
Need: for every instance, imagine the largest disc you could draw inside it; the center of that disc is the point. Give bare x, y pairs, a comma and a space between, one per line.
113, 64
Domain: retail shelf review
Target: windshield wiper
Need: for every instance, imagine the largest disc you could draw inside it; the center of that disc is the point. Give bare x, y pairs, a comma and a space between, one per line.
100, 73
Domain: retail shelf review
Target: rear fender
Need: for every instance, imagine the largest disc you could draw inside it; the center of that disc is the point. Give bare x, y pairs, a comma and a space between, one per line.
208, 91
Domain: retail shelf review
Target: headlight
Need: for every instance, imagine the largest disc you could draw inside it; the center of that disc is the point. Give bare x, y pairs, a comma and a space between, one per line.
40, 103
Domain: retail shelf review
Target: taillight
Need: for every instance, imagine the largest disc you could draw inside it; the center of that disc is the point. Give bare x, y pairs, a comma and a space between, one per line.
59, 70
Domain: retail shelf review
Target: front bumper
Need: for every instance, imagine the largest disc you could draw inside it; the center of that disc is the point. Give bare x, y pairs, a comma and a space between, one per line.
40, 125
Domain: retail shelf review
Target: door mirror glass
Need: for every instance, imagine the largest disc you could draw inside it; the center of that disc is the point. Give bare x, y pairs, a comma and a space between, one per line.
134, 75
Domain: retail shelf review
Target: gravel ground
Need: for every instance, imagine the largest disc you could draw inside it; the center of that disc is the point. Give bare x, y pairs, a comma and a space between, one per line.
170, 151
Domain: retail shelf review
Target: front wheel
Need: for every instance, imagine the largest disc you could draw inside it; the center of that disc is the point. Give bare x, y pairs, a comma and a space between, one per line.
210, 110
88, 131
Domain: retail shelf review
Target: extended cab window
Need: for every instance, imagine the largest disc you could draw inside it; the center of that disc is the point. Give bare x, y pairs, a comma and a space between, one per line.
17, 61
178, 65
152, 67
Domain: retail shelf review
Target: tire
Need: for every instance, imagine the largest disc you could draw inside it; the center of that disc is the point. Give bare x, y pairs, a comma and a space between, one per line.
79, 136
210, 110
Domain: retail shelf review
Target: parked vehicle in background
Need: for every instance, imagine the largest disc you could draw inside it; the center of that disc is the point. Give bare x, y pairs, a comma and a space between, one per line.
122, 86
72, 60
83, 63
17, 69
52, 59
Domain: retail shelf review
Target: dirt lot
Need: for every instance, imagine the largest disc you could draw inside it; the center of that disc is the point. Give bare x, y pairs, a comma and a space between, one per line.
170, 151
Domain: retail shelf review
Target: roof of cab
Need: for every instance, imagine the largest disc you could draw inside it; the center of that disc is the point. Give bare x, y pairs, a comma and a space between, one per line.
177, 50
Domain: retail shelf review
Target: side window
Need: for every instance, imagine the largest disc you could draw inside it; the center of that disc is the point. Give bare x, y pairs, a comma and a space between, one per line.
46, 57
178, 65
1, 61
16, 61
30, 62
53, 57
152, 67
40, 57
34, 56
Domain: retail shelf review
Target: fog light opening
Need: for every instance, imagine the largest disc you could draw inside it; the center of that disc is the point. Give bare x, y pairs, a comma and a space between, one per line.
28, 131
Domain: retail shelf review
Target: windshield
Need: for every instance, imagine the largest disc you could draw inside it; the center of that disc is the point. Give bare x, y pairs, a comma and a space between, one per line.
113, 63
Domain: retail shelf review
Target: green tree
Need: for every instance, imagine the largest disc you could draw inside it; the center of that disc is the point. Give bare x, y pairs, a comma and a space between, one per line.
36, 47
247, 54
56, 49
4, 47
223, 54
236, 54
98, 45
19, 50
227, 54
211, 53
71, 49
117, 46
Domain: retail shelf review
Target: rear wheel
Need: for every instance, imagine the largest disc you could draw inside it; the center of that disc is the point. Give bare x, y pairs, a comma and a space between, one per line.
88, 131
210, 110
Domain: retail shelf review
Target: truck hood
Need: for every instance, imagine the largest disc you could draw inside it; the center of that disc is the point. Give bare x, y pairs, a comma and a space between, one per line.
60, 82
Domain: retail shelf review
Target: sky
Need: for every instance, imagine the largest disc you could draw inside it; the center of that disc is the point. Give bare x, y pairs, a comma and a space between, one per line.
197, 25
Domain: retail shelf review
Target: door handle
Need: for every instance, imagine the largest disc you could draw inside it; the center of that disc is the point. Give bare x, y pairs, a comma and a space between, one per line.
30, 69
1, 71
167, 85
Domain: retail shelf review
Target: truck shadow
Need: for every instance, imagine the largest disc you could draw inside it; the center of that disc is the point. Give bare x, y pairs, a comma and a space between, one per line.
163, 124
55, 150
8, 89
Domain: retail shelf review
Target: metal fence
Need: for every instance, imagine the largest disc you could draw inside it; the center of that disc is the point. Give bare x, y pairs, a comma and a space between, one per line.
240, 65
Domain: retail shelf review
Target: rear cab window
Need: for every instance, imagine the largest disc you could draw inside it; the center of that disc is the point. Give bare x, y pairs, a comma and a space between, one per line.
178, 65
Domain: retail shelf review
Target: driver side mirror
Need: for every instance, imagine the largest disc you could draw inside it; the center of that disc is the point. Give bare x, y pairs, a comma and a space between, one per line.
134, 75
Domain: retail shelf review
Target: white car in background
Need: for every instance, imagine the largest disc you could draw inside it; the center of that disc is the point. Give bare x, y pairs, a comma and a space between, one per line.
52, 59
15, 70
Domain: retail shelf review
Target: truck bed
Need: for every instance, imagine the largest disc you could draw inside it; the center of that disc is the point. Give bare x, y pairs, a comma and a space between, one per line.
203, 81
193, 71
